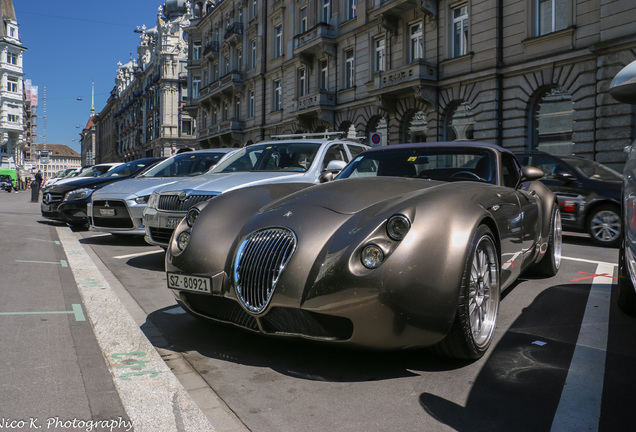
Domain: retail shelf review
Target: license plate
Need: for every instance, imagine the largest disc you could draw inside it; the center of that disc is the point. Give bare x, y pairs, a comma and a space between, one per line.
189, 283
172, 222
107, 212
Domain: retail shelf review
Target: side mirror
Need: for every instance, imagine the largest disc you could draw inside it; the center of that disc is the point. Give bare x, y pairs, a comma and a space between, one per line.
336, 166
530, 173
325, 177
563, 175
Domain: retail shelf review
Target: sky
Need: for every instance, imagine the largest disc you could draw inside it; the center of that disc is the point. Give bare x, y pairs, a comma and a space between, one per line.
71, 44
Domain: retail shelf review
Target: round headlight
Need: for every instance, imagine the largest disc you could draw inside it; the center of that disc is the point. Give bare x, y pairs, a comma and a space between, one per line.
397, 227
193, 214
372, 256
182, 240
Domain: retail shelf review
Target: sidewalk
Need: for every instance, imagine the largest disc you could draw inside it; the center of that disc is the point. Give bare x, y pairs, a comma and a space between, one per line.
73, 358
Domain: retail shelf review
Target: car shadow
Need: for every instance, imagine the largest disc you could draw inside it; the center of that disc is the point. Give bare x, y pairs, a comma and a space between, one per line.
292, 357
520, 384
114, 240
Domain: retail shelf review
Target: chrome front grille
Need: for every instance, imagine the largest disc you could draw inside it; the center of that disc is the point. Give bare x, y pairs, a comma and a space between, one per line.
180, 203
260, 260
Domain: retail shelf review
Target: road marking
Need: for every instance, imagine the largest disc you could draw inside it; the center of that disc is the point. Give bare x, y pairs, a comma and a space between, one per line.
589, 261
137, 254
57, 242
63, 263
580, 405
77, 311
151, 394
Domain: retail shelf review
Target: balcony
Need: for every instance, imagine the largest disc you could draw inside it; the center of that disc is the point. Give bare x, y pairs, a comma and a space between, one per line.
319, 105
233, 33
220, 129
320, 40
211, 49
389, 11
419, 78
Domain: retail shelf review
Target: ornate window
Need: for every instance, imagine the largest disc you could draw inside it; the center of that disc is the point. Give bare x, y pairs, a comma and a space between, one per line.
416, 47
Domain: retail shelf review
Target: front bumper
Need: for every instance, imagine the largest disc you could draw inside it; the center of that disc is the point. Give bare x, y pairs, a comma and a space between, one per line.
159, 225
117, 216
71, 212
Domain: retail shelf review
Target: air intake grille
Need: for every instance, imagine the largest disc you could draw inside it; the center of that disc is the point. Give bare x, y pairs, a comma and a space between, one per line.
260, 260
172, 202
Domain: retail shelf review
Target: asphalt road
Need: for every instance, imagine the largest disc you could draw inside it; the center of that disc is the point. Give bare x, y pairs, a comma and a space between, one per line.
556, 364
562, 359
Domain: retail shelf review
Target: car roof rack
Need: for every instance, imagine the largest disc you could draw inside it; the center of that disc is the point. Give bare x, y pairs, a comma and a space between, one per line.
325, 135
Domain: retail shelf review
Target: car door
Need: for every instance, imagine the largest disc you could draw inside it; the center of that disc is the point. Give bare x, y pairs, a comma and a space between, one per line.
335, 151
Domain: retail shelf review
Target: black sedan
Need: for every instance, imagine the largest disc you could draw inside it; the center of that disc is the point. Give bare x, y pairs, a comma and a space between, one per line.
589, 194
66, 201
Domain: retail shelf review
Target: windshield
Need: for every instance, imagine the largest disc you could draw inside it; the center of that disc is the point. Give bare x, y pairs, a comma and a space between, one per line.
129, 169
184, 165
593, 170
446, 164
95, 171
287, 156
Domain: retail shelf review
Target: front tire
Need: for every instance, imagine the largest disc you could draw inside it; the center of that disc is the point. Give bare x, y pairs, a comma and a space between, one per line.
551, 261
604, 225
474, 326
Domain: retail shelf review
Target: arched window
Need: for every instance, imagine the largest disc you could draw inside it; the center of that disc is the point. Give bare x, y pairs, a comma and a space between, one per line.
414, 128
551, 122
460, 123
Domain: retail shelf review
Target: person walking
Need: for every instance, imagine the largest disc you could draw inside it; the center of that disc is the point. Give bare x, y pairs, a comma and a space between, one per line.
38, 178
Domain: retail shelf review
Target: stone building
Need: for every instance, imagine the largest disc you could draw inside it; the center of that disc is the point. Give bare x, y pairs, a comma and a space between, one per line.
521, 74
143, 116
12, 125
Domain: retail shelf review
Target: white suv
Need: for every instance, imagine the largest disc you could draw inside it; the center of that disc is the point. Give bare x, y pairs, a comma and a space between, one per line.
289, 159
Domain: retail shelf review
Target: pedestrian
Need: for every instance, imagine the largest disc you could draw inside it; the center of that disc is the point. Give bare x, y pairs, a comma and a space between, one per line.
38, 178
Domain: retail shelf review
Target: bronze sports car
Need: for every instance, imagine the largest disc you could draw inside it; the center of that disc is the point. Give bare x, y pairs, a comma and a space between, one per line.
410, 246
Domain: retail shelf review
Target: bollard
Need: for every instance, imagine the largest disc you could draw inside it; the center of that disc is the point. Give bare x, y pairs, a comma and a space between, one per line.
35, 191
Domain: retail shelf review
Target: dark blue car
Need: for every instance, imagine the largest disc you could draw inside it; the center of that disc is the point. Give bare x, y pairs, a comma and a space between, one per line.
589, 194
66, 201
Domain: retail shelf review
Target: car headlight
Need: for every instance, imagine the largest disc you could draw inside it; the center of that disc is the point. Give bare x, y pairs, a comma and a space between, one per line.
398, 226
152, 201
183, 239
193, 214
78, 194
372, 256
142, 199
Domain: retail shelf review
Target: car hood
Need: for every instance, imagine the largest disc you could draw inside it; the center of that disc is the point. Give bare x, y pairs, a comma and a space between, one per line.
349, 196
82, 182
135, 187
223, 182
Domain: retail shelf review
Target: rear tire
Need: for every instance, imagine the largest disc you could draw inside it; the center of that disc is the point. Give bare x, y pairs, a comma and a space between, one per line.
604, 225
474, 326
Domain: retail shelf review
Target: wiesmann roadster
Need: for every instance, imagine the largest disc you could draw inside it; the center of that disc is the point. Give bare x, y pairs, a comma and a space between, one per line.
410, 246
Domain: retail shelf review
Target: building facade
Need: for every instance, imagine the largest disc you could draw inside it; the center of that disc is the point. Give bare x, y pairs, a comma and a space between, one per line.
12, 126
143, 116
59, 157
529, 74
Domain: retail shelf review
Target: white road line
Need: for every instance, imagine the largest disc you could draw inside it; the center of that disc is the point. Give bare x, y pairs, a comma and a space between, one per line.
580, 405
589, 261
137, 254
152, 395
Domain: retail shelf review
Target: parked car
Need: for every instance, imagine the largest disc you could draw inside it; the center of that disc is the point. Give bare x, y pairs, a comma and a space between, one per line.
59, 176
290, 159
118, 207
410, 246
623, 89
66, 200
589, 194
